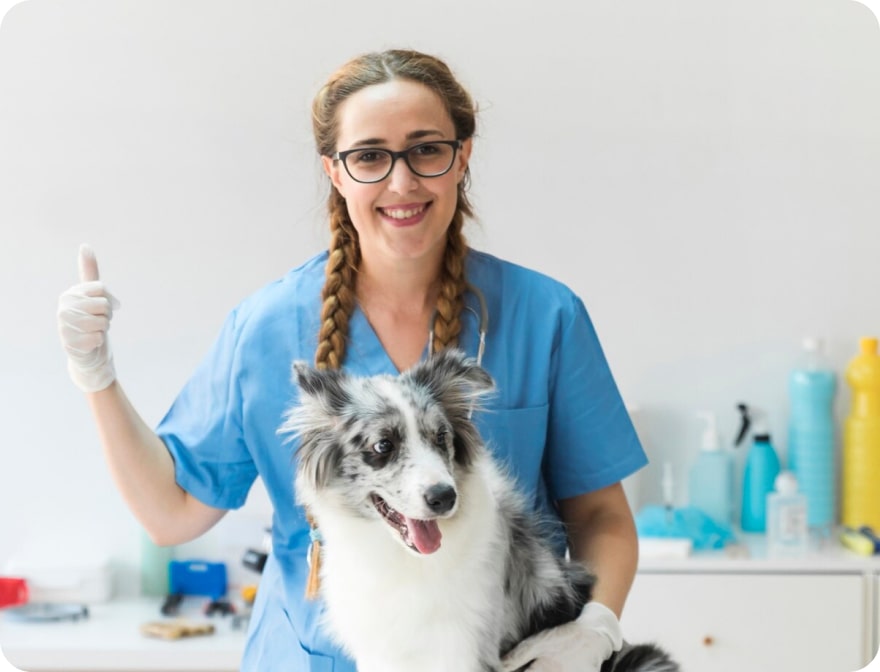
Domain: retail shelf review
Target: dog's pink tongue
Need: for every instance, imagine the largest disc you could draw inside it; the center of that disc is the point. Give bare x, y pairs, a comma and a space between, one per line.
424, 534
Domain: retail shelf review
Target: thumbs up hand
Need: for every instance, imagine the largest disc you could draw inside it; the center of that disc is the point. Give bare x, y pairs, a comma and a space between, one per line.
84, 314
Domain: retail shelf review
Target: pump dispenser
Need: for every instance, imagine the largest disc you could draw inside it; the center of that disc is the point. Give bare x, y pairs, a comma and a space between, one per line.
761, 469
710, 484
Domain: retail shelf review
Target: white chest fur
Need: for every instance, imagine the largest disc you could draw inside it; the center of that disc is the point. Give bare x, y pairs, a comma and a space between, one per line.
397, 612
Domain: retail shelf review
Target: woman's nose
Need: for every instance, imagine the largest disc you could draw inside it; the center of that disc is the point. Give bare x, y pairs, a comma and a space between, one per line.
402, 179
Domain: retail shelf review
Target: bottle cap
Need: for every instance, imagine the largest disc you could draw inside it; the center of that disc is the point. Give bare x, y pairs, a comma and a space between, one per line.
710, 440
813, 344
868, 346
786, 483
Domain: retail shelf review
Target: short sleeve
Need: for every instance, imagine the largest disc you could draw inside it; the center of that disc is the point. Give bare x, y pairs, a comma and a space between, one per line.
591, 441
203, 428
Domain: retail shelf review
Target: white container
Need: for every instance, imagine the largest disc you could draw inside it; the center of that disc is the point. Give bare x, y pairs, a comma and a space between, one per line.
53, 582
787, 533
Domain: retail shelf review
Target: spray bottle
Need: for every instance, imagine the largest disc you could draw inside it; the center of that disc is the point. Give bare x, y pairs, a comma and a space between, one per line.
761, 469
710, 484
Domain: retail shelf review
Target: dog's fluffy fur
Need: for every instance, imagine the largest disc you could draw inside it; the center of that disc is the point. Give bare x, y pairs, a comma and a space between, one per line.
430, 560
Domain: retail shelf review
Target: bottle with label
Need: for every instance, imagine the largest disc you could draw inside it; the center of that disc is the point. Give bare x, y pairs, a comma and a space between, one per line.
787, 533
860, 496
761, 470
811, 388
710, 482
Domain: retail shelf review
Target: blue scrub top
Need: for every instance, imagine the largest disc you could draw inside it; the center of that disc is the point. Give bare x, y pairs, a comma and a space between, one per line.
557, 421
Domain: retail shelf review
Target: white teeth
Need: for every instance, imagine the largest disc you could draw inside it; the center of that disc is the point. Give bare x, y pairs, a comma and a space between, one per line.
402, 214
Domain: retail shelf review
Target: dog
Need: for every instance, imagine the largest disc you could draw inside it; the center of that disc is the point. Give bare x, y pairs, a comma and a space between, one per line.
431, 560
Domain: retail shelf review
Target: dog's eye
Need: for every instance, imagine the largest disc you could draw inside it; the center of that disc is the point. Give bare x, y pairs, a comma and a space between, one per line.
383, 447
440, 439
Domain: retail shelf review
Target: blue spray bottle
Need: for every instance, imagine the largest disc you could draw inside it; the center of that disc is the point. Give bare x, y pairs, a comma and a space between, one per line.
761, 469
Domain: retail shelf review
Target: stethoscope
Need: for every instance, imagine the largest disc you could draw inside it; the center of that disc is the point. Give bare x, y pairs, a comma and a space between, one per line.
482, 318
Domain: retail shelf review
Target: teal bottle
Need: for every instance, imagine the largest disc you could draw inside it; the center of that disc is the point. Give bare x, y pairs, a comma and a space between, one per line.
811, 388
154, 567
759, 477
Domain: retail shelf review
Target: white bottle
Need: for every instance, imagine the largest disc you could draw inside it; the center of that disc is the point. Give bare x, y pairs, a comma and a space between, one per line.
787, 532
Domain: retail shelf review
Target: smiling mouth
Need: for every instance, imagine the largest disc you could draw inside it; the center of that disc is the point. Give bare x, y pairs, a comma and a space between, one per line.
422, 536
403, 214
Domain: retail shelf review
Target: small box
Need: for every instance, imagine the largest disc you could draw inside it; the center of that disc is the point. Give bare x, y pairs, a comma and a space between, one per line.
13, 591
197, 577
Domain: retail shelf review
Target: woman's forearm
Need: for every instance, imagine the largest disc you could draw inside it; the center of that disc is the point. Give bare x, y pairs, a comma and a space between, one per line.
602, 535
143, 471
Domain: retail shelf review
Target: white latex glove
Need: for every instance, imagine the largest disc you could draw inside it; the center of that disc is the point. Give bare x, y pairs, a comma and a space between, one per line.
84, 314
581, 645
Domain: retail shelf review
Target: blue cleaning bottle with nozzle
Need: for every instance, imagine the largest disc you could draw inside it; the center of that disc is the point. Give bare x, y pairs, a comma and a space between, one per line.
761, 469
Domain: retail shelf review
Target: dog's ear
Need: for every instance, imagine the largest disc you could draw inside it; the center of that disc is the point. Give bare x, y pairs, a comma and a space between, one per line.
323, 386
322, 401
454, 379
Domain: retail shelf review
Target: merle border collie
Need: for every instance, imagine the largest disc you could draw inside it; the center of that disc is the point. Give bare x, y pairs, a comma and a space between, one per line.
431, 560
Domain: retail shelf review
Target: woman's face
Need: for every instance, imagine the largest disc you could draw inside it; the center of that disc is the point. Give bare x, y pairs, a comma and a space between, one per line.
403, 217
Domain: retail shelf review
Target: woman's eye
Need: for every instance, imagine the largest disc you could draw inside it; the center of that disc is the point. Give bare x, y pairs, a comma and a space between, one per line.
368, 157
383, 447
426, 149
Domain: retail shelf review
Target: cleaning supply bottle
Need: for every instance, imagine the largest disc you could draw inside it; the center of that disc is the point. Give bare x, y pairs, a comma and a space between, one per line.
761, 470
710, 482
860, 496
811, 388
787, 530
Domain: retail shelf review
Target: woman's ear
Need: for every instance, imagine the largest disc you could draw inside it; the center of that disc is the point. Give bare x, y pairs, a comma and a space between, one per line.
463, 157
334, 172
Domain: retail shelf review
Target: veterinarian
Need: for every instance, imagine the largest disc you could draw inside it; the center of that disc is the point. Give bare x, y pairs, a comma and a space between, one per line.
395, 132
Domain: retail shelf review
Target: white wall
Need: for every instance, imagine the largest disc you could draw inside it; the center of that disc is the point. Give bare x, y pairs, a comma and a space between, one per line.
704, 174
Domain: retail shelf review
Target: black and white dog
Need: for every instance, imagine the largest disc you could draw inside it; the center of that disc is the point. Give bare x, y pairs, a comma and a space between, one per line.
430, 559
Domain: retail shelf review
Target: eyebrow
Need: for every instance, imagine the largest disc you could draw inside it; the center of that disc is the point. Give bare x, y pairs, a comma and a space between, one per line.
414, 135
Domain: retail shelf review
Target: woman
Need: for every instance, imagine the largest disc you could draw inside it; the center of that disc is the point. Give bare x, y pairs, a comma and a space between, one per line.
395, 134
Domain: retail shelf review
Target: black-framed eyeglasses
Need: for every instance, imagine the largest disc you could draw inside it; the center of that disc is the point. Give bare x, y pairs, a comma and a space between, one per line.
427, 159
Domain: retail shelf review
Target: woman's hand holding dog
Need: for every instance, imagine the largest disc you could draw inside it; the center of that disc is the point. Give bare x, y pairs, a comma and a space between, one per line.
581, 645
84, 314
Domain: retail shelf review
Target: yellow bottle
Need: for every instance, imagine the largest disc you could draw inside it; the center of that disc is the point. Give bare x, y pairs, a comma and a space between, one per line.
860, 491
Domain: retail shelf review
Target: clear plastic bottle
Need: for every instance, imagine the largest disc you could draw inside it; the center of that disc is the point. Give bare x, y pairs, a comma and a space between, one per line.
860, 496
710, 482
811, 388
787, 533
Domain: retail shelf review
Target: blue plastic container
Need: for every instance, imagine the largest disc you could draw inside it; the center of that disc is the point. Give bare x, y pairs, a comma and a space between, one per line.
710, 482
811, 388
197, 577
761, 470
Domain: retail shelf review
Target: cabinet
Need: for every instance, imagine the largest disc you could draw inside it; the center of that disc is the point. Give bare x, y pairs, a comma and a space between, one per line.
761, 623
874, 624
738, 609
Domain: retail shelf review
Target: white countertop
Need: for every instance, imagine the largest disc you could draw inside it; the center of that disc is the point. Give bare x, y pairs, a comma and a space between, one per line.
110, 639
749, 555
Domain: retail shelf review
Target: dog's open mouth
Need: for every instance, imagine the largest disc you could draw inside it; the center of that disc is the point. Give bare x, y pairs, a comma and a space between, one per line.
423, 536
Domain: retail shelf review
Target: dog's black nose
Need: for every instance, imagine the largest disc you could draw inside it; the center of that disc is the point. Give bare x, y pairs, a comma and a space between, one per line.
440, 498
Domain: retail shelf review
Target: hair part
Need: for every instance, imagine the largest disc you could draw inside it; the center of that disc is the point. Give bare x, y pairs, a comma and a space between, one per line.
338, 296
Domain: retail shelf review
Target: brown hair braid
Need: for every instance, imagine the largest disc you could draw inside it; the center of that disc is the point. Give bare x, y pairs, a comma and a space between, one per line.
338, 294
